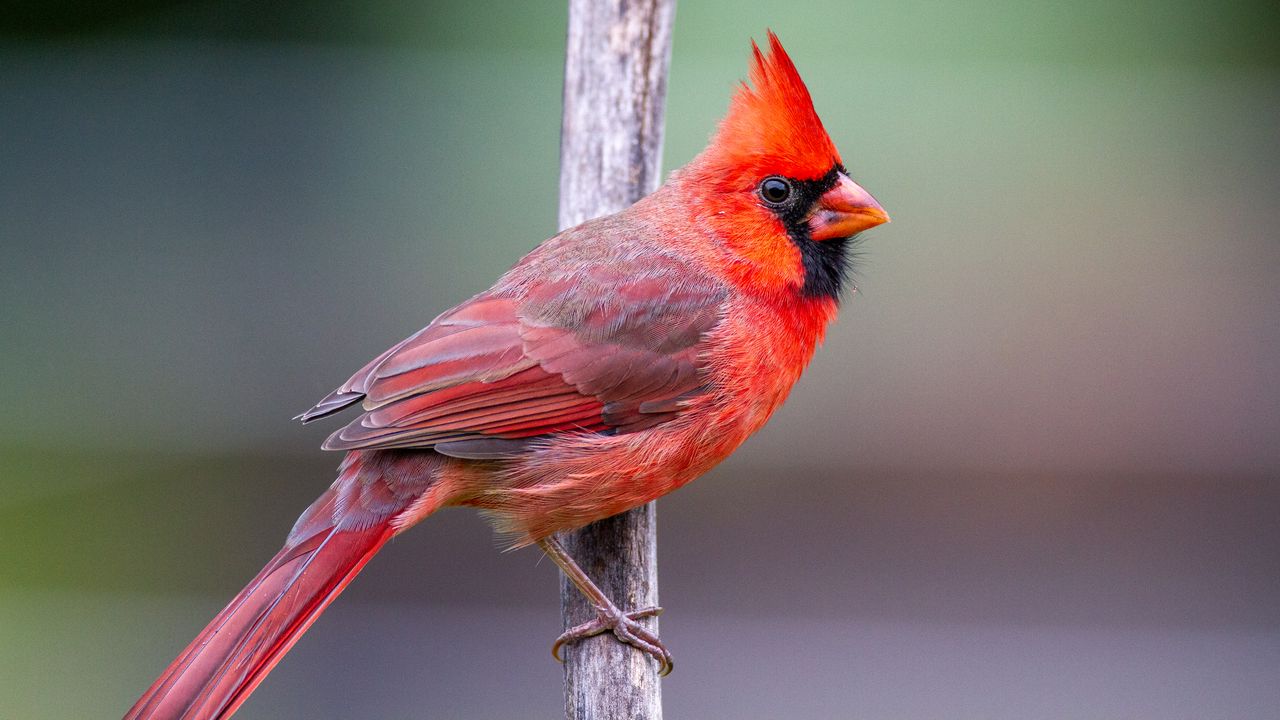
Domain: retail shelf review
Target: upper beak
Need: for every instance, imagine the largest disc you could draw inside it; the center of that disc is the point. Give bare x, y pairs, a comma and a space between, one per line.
844, 211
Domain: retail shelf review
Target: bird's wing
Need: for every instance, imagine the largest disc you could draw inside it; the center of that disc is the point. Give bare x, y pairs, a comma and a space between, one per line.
608, 350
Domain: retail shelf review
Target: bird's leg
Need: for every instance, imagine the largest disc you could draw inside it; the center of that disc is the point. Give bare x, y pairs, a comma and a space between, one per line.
609, 617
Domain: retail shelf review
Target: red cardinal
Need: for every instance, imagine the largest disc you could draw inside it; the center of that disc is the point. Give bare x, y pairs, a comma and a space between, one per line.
616, 362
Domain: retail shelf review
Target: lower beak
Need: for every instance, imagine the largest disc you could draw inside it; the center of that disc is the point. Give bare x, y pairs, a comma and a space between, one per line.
844, 211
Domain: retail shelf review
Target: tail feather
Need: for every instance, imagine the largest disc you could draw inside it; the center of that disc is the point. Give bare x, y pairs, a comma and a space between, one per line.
223, 665
327, 548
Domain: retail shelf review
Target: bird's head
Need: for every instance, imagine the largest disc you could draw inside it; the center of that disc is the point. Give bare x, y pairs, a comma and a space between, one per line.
773, 187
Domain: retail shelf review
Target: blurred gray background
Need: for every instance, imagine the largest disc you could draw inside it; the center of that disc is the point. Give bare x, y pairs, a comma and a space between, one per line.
1034, 473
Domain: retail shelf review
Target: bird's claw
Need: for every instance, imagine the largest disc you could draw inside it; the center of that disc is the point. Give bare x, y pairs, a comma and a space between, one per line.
624, 627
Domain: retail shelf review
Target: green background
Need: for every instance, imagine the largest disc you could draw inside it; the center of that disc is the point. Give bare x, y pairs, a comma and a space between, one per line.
1035, 472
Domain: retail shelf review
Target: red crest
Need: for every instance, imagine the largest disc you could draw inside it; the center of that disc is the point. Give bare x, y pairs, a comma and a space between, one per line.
771, 124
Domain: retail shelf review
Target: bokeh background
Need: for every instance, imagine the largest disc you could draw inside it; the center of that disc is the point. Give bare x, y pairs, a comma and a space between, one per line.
1034, 473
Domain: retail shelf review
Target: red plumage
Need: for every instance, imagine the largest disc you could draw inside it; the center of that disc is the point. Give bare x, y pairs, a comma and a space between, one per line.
617, 361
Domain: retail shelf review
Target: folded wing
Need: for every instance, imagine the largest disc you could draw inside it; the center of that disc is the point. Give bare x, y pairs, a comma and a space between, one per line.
608, 351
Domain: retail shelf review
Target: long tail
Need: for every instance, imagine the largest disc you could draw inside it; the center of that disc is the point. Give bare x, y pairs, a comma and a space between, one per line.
327, 548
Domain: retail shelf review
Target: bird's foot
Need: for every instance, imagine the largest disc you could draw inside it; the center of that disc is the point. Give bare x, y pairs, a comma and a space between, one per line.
625, 627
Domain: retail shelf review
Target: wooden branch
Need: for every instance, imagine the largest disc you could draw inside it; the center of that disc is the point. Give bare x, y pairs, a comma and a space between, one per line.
615, 81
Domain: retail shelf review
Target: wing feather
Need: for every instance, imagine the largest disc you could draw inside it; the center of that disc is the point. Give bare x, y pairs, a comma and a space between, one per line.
610, 351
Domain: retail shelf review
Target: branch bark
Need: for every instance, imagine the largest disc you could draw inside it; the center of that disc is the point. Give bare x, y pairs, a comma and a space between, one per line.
615, 82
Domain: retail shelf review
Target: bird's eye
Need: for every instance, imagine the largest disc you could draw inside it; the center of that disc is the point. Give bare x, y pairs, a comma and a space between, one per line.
775, 190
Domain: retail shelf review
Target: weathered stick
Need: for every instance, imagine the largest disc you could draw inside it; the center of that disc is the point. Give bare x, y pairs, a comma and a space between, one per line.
615, 82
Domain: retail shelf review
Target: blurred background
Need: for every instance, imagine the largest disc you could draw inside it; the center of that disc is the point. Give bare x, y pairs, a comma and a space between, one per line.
1034, 473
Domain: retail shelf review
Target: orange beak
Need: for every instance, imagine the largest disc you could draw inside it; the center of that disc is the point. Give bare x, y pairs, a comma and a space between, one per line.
844, 211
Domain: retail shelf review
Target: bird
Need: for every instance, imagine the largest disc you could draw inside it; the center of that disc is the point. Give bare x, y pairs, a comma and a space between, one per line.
617, 361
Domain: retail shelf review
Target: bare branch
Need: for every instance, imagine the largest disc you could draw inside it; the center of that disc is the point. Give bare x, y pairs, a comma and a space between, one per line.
615, 87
